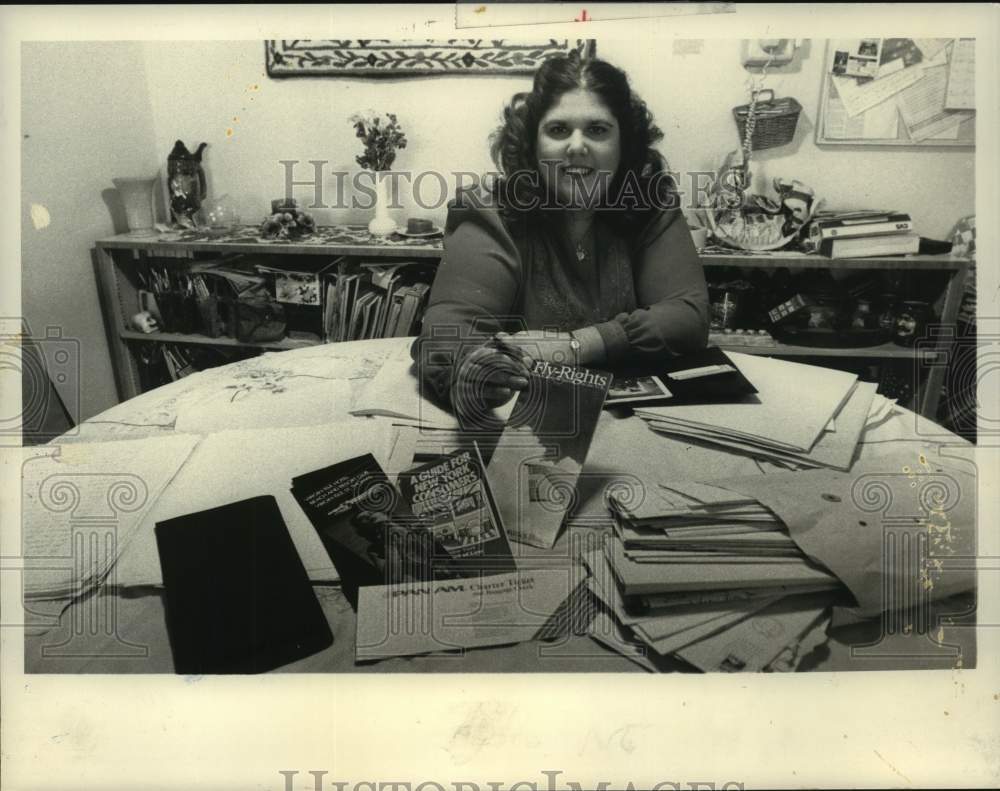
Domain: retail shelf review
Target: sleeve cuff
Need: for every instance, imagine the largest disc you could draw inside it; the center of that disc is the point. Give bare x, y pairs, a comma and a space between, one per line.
592, 350
616, 343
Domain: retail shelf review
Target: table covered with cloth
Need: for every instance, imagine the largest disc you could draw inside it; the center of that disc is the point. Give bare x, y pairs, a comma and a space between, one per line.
271, 417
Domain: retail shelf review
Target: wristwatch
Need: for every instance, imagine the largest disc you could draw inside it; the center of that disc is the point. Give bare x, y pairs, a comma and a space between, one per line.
574, 344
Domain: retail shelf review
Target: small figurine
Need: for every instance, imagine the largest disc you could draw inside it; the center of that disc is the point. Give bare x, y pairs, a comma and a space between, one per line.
186, 179
144, 321
796, 203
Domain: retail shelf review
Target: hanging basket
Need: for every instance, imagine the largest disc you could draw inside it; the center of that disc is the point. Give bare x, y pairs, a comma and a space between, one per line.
775, 124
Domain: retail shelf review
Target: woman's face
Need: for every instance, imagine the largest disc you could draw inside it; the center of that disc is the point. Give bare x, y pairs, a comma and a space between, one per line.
579, 148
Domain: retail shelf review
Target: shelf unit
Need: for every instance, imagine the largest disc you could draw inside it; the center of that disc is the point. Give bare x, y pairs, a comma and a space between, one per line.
116, 259
932, 358
117, 256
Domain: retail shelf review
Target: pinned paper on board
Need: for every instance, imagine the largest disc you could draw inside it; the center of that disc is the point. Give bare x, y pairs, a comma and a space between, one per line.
921, 92
922, 106
931, 46
857, 57
961, 91
879, 123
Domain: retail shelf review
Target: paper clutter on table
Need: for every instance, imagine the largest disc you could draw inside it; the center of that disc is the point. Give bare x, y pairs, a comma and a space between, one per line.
801, 417
741, 573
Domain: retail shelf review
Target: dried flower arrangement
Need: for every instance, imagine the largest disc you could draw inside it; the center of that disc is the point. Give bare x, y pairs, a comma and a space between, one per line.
382, 136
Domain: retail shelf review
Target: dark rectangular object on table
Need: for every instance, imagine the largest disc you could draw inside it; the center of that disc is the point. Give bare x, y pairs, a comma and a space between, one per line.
238, 599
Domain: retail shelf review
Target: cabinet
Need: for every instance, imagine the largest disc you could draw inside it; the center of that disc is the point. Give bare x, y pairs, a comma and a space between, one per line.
117, 258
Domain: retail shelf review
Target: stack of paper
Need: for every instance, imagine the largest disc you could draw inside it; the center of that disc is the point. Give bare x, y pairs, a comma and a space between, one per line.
82, 503
692, 562
741, 574
801, 417
705, 629
700, 537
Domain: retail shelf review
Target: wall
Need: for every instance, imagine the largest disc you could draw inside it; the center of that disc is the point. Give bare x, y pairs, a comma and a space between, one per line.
220, 94
75, 97
692, 96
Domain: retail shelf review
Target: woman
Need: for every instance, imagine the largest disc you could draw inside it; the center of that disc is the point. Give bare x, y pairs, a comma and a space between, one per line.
579, 254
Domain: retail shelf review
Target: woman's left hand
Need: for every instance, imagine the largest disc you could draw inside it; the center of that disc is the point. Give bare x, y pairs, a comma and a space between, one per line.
542, 346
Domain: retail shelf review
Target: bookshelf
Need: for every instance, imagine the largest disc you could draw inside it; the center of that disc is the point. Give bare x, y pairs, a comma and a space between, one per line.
118, 257
930, 359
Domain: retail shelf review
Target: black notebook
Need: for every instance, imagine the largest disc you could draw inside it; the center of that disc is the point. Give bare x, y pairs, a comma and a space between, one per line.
238, 599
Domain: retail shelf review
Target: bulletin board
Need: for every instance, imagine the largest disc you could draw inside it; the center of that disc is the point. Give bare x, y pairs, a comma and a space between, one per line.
903, 92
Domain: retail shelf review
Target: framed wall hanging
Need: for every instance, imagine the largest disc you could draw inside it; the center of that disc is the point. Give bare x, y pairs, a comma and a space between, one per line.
383, 57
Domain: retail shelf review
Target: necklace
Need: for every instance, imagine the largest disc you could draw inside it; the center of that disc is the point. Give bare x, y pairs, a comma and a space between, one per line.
582, 247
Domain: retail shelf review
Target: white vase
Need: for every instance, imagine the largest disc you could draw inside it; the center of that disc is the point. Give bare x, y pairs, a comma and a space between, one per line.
381, 224
137, 197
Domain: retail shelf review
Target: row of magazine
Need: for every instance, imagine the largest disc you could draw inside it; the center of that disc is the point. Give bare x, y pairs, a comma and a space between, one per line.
363, 299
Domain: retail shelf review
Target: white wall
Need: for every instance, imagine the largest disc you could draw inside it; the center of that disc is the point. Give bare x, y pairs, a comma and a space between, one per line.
85, 119
219, 93
692, 96
93, 111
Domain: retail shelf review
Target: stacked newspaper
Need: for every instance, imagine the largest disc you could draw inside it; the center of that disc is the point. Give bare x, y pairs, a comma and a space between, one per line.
801, 417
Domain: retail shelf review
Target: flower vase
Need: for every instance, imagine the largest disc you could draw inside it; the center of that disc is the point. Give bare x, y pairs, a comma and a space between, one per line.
137, 197
381, 224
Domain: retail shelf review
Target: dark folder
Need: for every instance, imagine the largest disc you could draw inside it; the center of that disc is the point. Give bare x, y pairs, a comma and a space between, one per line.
238, 599
691, 379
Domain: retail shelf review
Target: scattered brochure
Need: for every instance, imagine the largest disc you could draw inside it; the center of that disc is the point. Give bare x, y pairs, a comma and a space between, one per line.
538, 458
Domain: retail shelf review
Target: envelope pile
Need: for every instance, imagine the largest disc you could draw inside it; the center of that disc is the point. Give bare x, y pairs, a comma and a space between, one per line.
743, 574
802, 416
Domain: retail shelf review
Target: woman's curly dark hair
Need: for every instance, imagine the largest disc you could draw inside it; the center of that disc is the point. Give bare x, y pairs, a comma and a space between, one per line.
642, 181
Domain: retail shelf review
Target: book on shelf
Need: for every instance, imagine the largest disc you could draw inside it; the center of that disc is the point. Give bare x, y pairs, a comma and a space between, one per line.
392, 319
374, 299
856, 217
178, 365
414, 299
361, 311
389, 278
869, 246
297, 279
884, 224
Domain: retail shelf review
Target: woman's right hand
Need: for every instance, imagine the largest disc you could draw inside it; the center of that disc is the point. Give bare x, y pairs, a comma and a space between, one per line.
487, 378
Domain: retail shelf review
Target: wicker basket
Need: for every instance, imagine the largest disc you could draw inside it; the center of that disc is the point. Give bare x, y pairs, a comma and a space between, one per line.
775, 124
